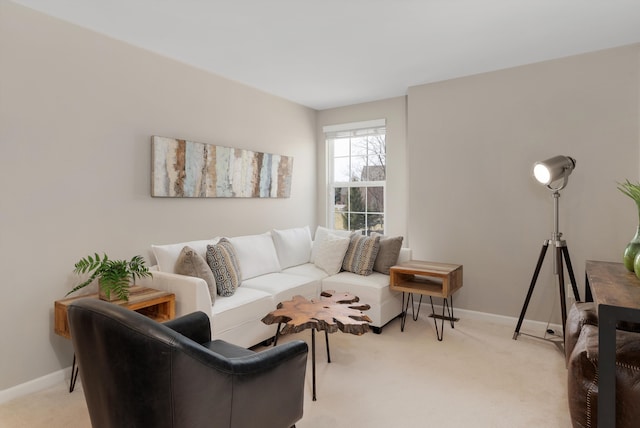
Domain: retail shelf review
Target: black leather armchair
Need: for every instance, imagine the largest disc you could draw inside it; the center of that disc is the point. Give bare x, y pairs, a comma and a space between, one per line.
139, 373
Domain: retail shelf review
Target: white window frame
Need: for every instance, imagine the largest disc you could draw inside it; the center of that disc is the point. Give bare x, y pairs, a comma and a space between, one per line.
332, 132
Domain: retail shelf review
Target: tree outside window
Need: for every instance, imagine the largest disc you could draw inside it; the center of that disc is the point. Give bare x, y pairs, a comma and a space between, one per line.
358, 176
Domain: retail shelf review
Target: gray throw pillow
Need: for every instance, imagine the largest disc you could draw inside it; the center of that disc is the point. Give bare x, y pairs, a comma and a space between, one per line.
191, 263
388, 253
223, 261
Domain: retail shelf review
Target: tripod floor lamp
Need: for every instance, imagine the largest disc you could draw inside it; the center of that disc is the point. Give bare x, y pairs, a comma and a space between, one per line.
555, 170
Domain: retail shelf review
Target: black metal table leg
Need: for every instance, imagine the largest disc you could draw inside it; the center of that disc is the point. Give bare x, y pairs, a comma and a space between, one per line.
414, 313
275, 338
453, 318
313, 361
449, 316
405, 307
326, 338
74, 374
313, 354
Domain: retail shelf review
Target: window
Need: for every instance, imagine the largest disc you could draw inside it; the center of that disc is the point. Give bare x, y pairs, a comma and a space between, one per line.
357, 175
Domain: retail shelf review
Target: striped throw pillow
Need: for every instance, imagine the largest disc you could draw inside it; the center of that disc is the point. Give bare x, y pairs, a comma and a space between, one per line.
361, 254
223, 261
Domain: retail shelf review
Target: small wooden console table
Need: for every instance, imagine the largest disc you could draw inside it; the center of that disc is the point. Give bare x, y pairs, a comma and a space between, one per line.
616, 292
427, 279
155, 304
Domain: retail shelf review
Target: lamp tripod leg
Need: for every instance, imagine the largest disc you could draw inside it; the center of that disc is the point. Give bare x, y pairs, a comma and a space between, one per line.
543, 251
572, 277
563, 297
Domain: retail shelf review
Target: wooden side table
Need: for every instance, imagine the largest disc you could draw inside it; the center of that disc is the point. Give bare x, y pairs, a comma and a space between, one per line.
155, 304
427, 279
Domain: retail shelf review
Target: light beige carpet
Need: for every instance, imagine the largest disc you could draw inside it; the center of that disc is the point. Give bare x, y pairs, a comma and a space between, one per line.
477, 377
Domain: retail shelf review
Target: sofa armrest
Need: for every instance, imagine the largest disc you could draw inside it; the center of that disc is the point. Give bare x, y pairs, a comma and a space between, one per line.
192, 294
405, 255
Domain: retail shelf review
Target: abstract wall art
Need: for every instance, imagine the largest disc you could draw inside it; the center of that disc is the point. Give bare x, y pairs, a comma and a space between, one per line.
186, 169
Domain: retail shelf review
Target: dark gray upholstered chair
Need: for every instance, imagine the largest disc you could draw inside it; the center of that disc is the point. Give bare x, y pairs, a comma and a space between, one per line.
139, 373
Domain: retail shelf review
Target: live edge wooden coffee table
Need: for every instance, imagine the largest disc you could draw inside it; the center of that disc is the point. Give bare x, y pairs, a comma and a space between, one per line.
427, 279
333, 312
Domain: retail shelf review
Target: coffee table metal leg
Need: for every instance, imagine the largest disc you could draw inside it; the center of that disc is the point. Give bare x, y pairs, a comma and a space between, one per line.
326, 339
313, 361
275, 339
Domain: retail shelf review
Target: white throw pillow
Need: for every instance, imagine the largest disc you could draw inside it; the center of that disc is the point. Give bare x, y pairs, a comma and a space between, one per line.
167, 255
256, 255
293, 246
321, 234
330, 253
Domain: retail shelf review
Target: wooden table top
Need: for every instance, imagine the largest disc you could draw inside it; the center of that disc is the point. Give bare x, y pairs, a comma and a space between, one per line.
612, 284
432, 268
333, 312
137, 295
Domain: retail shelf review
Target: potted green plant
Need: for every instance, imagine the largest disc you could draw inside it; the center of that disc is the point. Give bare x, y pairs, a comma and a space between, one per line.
114, 276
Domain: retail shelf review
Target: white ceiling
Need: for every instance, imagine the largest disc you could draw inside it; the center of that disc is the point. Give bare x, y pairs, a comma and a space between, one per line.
329, 53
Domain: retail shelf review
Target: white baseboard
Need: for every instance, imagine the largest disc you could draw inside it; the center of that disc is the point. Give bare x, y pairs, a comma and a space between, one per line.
55, 378
527, 325
35, 385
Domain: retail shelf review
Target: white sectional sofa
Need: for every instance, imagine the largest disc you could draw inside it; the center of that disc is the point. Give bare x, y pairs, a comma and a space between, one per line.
274, 267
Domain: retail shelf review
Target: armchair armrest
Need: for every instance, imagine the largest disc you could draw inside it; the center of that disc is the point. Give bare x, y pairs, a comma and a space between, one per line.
195, 326
275, 379
254, 363
269, 383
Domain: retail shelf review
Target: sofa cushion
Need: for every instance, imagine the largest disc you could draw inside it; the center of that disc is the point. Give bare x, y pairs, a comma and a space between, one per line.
190, 263
256, 255
361, 254
167, 255
223, 261
388, 253
245, 306
293, 246
283, 286
321, 234
371, 289
310, 270
330, 253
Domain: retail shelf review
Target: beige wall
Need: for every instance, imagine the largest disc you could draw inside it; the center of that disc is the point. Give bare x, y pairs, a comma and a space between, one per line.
77, 111
472, 200
394, 110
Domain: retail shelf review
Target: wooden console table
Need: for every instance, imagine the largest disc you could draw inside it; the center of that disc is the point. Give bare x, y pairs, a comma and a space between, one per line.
155, 304
616, 293
427, 279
